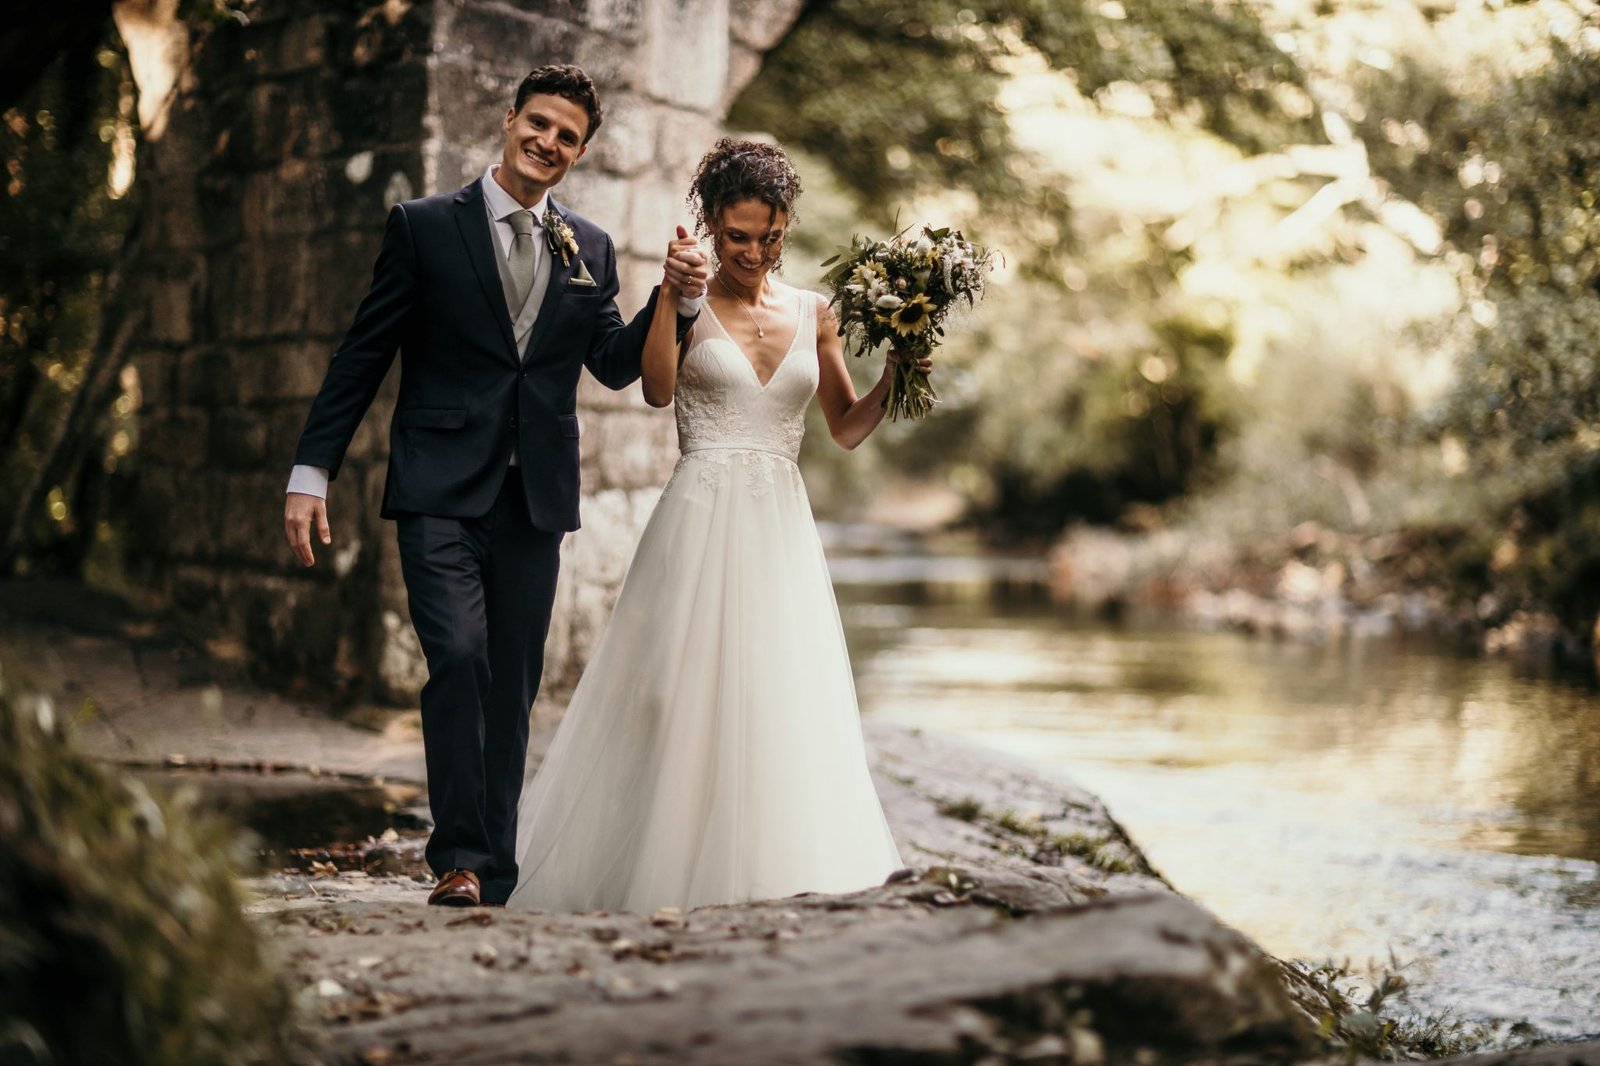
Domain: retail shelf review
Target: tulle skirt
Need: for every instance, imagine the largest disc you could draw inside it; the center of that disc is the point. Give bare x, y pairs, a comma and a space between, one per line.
712, 751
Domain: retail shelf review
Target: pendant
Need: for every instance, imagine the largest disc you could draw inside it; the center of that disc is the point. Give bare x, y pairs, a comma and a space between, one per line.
760, 332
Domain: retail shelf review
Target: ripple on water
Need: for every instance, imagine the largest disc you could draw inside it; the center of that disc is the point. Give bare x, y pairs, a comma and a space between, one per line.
1340, 801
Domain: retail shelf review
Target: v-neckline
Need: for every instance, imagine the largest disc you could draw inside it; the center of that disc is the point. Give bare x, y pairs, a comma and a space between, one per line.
744, 356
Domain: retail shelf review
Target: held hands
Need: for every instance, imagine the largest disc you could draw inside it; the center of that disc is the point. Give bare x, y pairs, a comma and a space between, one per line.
685, 268
300, 513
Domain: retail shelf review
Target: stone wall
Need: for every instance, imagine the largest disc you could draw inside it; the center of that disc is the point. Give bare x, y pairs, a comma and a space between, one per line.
289, 139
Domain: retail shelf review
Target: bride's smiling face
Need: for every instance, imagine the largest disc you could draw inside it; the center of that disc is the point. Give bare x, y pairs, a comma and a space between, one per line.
748, 238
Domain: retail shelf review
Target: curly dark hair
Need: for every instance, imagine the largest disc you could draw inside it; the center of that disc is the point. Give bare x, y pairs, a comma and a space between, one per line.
565, 80
736, 170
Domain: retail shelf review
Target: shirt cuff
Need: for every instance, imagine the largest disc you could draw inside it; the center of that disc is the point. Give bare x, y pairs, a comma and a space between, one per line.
310, 480
689, 306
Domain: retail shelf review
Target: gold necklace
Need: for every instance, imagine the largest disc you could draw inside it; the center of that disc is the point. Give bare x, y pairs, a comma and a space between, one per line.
760, 333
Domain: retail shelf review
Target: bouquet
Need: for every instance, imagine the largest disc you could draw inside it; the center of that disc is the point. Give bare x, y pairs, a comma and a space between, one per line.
900, 290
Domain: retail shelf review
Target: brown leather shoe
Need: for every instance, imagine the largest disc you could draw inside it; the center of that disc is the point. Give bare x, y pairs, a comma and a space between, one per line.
458, 888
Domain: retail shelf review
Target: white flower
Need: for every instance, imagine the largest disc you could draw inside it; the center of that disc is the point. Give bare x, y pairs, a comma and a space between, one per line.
888, 302
923, 246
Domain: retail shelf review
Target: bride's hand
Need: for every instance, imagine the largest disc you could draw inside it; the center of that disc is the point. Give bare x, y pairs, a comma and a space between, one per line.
896, 357
685, 268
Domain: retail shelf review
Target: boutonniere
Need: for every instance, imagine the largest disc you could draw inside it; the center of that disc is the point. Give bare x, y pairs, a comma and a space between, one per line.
560, 236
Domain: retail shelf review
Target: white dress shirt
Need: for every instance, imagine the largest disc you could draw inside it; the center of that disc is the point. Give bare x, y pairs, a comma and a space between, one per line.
501, 205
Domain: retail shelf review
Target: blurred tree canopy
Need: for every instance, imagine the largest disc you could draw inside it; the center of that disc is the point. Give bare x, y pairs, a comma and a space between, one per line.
903, 97
904, 101
1337, 262
1508, 160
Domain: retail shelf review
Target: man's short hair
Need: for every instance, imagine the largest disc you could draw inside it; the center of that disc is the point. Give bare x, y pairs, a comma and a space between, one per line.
564, 80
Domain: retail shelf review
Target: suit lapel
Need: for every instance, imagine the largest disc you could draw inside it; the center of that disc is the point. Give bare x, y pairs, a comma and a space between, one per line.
472, 219
560, 274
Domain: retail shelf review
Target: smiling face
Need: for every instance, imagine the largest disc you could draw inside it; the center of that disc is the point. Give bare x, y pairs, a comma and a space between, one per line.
543, 139
748, 238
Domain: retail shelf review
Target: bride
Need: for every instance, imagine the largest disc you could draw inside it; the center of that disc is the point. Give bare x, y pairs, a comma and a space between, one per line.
712, 751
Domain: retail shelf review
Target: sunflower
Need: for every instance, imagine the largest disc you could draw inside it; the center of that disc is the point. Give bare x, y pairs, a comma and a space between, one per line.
913, 316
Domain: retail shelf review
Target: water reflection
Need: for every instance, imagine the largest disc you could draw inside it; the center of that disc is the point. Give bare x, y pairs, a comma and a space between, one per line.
1341, 800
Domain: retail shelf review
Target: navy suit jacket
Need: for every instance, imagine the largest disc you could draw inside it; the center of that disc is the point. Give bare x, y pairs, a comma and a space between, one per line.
465, 397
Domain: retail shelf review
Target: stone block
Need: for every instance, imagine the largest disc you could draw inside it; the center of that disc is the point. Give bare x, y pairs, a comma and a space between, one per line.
638, 275
402, 668
281, 201
238, 441
178, 439
759, 25
171, 311
194, 588
501, 38
604, 546
350, 192
175, 213
382, 37
598, 197
248, 517
628, 449
284, 424
561, 670
683, 139
260, 289
273, 373
743, 65
339, 268
626, 143
655, 210
612, 62
157, 495
156, 370
620, 19
272, 127
373, 109
279, 47
687, 68
466, 124
205, 380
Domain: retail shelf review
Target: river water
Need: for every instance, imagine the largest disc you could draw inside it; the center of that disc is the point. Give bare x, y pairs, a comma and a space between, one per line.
1376, 800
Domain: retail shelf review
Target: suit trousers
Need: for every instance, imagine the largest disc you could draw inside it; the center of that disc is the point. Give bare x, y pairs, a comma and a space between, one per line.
480, 592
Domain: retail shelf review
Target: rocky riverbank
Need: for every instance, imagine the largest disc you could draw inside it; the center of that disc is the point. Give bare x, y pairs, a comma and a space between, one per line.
1309, 582
1026, 928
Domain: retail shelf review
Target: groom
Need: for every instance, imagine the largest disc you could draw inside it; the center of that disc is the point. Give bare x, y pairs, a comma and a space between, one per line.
495, 297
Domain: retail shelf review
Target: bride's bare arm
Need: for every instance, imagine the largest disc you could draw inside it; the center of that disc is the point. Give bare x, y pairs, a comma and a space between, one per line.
851, 419
662, 352
659, 363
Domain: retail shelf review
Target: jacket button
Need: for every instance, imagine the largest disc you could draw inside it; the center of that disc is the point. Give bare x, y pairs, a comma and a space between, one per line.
513, 421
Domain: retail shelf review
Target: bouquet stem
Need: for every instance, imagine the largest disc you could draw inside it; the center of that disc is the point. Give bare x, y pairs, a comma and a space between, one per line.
911, 394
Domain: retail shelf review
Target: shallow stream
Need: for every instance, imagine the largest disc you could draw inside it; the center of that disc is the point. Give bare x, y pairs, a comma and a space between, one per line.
1360, 800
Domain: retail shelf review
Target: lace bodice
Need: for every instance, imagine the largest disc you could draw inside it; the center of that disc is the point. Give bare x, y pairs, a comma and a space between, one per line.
721, 404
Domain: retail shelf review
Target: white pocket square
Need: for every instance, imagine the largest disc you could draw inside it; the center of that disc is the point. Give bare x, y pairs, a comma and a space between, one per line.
580, 276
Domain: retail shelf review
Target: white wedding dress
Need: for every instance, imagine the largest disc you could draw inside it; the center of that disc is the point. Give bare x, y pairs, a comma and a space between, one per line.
712, 751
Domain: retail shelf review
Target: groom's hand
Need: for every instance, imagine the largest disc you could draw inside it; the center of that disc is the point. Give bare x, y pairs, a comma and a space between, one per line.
300, 512
685, 268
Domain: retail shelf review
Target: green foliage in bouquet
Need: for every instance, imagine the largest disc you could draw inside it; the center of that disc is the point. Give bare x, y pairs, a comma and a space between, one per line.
900, 291
121, 935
